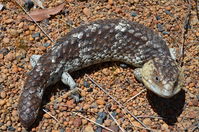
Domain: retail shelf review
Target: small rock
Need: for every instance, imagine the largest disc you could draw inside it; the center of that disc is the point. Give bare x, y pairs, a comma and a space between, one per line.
77, 122
32, 28
86, 84
9, 21
115, 128
134, 14
3, 94
135, 123
47, 116
54, 131
101, 117
1, 56
147, 121
86, 106
164, 126
61, 130
4, 51
193, 115
36, 35
99, 129
136, 1
107, 122
70, 103
14, 113
13, 32
88, 128
11, 128
197, 96
21, 24
157, 17
110, 2
160, 27
10, 56
100, 102
6, 40
113, 114
87, 11
68, 130
46, 44
2, 102
168, 12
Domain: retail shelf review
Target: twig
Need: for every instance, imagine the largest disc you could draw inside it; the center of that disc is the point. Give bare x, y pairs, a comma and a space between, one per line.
157, 117
36, 23
184, 32
50, 115
93, 121
135, 95
120, 105
116, 122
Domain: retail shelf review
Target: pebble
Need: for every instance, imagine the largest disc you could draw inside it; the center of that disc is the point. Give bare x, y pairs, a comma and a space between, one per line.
147, 121
10, 56
77, 122
160, 27
110, 2
47, 116
100, 102
3, 94
134, 14
86, 106
11, 128
86, 84
6, 40
2, 102
13, 32
87, 11
88, 128
21, 24
168, 12
164, 126
70, 103
9, 21
115, 128
46, 44
101, 117
32, 28
36, 35
107, 122
14, 113
135, 123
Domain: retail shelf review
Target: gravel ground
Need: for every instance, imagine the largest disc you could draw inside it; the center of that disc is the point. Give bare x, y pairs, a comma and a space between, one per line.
19, 39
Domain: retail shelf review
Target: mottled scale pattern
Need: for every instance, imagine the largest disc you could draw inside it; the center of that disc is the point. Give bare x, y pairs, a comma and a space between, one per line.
96, 42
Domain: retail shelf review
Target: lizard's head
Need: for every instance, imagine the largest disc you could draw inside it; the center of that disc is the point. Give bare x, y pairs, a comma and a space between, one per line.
162, 76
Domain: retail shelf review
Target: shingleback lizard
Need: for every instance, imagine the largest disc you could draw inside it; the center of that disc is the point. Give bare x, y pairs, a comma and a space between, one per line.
97, 42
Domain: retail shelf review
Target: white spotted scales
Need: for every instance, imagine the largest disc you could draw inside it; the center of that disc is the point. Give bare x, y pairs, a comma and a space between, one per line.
97, 42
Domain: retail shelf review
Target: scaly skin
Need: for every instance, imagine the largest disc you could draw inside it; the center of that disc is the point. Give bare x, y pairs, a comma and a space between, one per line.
100, 41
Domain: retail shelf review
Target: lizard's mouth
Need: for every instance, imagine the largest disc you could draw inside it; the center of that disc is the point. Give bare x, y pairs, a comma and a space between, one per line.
163, 91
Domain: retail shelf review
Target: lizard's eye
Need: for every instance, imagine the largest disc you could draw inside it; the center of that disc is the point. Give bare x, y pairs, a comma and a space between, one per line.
157, 78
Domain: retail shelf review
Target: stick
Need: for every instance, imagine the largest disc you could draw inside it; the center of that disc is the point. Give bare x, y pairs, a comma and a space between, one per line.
120, 105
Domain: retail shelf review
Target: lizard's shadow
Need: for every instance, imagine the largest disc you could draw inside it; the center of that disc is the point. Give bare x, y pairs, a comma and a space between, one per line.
168, 109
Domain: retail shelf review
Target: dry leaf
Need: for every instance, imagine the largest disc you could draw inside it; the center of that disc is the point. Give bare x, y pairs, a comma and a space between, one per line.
41, 14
